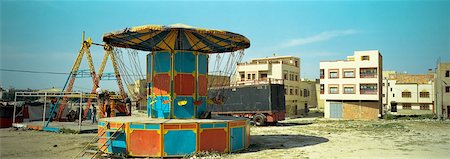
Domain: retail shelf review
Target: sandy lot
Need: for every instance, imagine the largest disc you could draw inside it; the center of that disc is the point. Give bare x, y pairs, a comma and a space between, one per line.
295, 138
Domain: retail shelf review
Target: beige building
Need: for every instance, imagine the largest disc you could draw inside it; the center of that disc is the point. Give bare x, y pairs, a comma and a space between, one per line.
137, 91
442, 87
408, 94
280, 70
320, 102
352, 88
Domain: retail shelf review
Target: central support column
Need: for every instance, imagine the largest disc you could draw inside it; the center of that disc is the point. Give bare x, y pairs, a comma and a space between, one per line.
177, 84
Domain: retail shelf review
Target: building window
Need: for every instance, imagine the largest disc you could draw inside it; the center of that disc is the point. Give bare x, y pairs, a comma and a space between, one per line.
263, 76
286, 91
368, 89
406, 94
253, 76
406, 106
291, 92
368, 72
447, 89
242, 76
391, 89
349, 90
365, 58
424, 107
296, 63
322, 88
349, 74
383, 84
285, 76
384, 95
334, 90
248, 76
393, 95
296, 91
305, 93
334, 74
296, 78
447, 73
322, 73
424, 94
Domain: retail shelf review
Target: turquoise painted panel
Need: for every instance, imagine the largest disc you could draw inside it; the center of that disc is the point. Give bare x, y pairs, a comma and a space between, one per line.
184, 62
185, 111
173, 138
162, 61
237, 138
201, 108
205, 126
137, 126
119, 144
101, 124
149, 64
50, 129
152, 126
159, 109
220, 125
202, 63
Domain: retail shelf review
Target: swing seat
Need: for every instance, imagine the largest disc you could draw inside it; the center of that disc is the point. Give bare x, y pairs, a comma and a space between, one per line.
182, 102
198, 103
166, 102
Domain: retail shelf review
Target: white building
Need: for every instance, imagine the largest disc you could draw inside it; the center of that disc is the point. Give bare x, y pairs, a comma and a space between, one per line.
352, 88
442, 87
281, 70
408, 94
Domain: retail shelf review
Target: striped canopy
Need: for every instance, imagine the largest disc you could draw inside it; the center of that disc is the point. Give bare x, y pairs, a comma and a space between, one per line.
176, 37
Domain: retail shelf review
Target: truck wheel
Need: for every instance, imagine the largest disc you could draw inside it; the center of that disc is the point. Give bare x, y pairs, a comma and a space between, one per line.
259, 119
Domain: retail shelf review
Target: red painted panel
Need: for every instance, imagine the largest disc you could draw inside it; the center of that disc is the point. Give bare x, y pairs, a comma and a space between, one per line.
172, 126
237, 123
146, 143
213, 140
161, 84
101, 141
189, 126
202, 85
184, 84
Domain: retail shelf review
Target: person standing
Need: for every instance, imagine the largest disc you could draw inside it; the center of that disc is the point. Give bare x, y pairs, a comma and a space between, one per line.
94, 114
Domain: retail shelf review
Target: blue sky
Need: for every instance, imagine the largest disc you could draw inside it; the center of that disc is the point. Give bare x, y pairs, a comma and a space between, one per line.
46, 35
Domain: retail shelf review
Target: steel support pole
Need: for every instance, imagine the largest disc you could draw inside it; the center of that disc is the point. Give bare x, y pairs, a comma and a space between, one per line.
80, 111
15, 102
45, 107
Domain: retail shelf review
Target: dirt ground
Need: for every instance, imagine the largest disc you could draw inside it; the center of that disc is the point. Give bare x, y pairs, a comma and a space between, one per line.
294, 138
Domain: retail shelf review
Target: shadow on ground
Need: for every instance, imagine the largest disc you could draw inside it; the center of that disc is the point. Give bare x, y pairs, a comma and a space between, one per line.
264, 142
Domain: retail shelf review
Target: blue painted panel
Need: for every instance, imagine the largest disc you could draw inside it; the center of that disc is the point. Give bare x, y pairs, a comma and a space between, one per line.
237, 138
159, 109
185, 111
172, 141
335, 110
202, 63
152, 126
204, 126
118, 144
201, 108
162, 61
101, 123
184, 62
137, 126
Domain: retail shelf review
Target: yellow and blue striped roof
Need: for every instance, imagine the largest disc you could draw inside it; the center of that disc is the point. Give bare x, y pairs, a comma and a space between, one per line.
176, 37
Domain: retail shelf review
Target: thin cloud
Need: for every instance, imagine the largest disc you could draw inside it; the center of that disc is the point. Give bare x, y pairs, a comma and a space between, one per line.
323, 36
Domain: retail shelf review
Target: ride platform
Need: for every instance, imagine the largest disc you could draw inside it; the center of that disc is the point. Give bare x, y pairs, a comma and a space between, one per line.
153, 137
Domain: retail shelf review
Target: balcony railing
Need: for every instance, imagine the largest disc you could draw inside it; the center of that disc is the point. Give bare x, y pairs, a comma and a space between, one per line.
260, 81
368, 91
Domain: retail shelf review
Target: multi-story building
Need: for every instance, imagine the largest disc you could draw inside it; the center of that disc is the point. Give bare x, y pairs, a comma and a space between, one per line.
408, 94
442, 87
352, 88
281, 70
